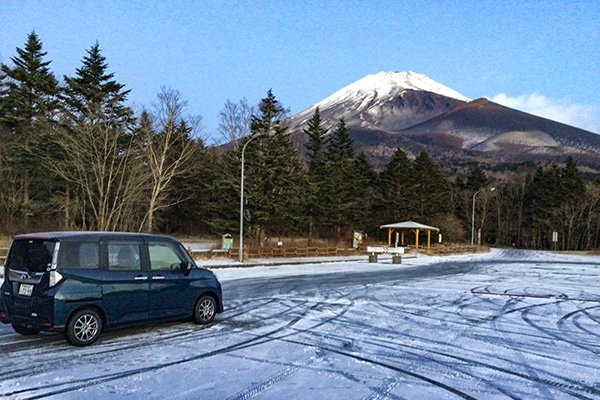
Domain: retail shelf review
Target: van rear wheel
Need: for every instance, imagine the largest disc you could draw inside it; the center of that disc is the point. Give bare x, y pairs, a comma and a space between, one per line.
25, 331
205, 310
84, 327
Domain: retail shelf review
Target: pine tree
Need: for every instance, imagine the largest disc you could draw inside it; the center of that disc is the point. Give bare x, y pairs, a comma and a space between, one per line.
317, 172
340, 183
541, 200
573, 186
29, 108
30, 89
365, 178
395, 190
107, 185
275, 178
93, 96
222, 193
476, 180
432, 189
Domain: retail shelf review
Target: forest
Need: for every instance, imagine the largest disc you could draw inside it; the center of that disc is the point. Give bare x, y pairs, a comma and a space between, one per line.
75, 156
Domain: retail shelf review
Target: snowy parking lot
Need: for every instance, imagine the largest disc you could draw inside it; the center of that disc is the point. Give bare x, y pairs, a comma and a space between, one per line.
507, 324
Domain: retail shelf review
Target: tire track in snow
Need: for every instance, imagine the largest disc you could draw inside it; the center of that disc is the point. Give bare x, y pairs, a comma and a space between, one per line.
125, 343
368, 360
524, 362
285, 373
525, 316
384, 391
264, 385
580, 326
87, 382
562, 321
29, 344
567, 385
450, 367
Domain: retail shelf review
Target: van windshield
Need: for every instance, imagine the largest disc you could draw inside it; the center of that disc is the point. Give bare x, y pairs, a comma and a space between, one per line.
33, 255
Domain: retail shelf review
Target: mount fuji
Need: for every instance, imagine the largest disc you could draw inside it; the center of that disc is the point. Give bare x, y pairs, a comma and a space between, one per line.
408, 110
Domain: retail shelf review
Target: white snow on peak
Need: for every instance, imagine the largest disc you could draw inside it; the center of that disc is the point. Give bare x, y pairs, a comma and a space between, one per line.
385, 84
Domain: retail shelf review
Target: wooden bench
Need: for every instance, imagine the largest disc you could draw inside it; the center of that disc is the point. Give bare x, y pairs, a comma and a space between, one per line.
396, 252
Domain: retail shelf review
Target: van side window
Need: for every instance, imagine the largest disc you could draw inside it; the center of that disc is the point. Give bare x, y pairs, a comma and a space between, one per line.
79, 255
124, 257
162, 256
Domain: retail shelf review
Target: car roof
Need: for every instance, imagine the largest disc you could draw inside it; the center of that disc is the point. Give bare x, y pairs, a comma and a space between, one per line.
78, 235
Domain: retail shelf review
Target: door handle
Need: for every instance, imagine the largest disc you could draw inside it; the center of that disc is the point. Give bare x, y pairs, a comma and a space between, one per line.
140, 278
157, 277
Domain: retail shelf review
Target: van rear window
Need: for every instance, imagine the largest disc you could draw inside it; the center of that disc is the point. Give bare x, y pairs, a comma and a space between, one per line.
78, 255
33, 255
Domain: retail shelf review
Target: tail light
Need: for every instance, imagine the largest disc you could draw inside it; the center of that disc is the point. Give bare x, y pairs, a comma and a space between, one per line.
55, 278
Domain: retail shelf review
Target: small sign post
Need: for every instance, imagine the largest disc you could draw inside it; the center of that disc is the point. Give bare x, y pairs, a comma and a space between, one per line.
555, 239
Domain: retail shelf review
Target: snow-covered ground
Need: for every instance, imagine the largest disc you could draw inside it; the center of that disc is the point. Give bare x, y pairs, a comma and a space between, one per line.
508, 324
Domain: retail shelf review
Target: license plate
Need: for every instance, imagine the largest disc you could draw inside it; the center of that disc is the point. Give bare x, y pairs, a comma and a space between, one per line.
25, 289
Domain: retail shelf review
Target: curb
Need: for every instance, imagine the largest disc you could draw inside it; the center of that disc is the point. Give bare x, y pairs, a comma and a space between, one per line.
252, 264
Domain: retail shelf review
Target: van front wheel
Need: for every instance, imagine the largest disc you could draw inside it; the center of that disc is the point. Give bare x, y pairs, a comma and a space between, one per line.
205, 310
23, 330
84, 327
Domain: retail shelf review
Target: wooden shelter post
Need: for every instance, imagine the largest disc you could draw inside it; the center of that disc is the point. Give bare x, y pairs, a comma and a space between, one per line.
408, 227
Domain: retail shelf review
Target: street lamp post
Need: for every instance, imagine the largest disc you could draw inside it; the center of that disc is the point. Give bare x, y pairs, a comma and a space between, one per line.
241, 252
473, 216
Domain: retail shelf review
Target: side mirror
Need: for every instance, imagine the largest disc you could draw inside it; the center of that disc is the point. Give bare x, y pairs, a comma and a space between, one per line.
186, 267
176, 267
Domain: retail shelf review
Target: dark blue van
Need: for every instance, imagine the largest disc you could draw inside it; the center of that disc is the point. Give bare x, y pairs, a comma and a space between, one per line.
80, 283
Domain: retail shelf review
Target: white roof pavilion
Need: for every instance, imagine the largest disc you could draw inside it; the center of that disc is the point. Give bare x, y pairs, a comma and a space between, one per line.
410, 226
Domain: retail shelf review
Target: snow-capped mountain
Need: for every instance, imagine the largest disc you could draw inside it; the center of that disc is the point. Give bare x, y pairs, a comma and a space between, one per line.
388, 110
385, 100
385, 85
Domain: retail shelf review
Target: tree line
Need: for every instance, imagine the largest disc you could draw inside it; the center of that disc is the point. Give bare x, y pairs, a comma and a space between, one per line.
74, 155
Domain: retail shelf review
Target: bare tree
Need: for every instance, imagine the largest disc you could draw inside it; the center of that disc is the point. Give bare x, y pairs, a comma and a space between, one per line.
593, 215
234, 121
171, 141
11, 193
100, 161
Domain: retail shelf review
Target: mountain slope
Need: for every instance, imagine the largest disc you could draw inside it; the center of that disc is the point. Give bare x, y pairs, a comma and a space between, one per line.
504, 134
388, 110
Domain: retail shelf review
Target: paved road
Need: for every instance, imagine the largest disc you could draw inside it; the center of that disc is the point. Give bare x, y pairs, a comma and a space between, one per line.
512, 324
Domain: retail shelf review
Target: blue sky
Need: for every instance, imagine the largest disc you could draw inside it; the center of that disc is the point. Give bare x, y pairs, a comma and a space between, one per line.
537, 56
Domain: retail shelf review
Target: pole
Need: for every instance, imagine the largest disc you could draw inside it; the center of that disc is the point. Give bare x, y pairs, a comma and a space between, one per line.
241, 252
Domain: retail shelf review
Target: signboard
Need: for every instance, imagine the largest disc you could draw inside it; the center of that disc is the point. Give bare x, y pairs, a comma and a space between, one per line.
555, 236
226, 242
357, 239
